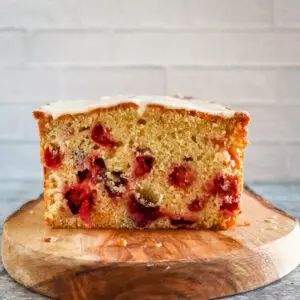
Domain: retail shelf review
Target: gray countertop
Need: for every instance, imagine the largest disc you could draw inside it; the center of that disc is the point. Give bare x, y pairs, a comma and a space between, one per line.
285, 196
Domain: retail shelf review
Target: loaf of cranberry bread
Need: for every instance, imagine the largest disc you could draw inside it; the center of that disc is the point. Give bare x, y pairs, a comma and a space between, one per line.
142, 162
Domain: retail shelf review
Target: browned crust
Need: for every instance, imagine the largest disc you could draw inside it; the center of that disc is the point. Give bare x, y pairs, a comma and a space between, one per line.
41, 123
39, 114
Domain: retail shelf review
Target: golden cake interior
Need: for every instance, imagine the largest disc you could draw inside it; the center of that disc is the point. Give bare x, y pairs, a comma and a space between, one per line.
165, 168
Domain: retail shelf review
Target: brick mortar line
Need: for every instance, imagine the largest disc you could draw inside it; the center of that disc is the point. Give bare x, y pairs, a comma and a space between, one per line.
96, 65
236, 67
168, 68
80, 66
172, 29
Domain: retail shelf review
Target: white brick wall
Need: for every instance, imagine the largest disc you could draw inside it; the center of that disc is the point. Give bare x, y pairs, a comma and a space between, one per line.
36, 14
286, 13
154, 13
12, 47
230, 13
70, 47
209, 48
232, 85
244, 53
92, 82
28, 84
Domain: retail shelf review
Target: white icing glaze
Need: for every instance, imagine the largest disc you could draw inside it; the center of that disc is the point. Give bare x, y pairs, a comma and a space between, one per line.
56, 109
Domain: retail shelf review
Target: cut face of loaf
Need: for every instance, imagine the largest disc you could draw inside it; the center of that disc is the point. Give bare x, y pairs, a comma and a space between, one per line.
118, 167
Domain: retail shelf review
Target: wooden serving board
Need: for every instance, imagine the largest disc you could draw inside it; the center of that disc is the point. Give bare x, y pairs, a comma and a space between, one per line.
122, 264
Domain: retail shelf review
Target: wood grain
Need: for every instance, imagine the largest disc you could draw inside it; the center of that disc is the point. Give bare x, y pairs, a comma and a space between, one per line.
93, 264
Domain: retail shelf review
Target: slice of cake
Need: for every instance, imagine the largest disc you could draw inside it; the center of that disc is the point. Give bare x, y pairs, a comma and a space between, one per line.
142, 162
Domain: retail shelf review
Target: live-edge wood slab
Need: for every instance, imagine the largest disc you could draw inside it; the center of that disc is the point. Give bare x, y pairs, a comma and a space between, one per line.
122, 264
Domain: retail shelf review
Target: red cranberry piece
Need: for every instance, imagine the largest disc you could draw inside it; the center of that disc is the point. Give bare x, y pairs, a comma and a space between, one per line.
196, 205
181, 223
144, 165
86, 210
76, 195
230, 206
53, 158
115, 183
141, 214
84, 175
98, 168
99, 162
182, 176
102, 136
225, 185
74, 198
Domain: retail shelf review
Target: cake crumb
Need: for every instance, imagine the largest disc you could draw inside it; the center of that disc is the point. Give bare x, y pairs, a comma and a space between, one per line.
272, 227
247, 223
122, 242
158, 245
270, 220
50, 239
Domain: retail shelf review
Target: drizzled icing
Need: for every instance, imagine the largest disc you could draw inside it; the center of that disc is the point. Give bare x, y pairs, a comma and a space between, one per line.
57, 109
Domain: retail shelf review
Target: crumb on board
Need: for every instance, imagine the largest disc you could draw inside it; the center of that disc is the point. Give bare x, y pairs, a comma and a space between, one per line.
50, 239
158, 245
270, 220
272, 227
122, 242
247, 223
243, 223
